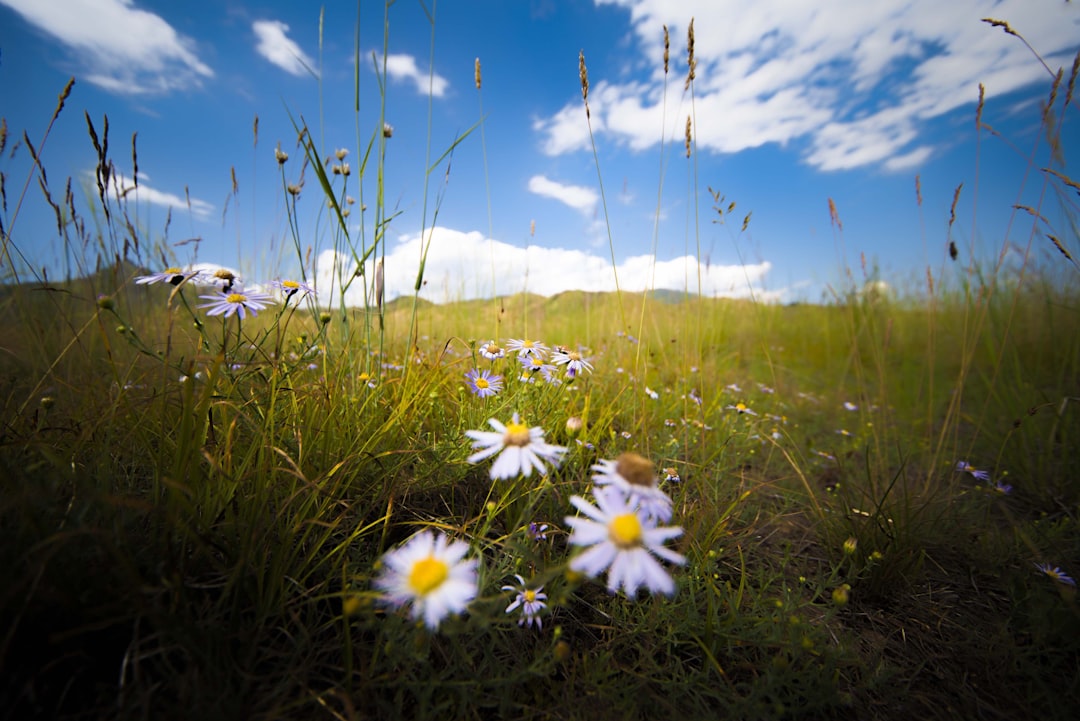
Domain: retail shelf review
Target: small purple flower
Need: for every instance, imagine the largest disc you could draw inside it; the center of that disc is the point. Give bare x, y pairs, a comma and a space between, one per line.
238, 301
291, 287
531, 602
1055, 573
483, 383
537, 531
965, 467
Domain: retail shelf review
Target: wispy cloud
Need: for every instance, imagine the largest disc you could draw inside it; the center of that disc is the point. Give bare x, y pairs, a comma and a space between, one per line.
121, 186
403, 68
856, 81
577, 197
275, 45
451, 271
118, 47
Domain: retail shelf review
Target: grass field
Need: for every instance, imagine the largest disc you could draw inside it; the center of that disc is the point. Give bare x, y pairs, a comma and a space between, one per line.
873, 502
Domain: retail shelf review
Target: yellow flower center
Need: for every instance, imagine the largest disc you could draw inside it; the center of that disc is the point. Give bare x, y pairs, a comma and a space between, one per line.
236, 298
574, 355
290, 284
427, 575
636, 469
481, 383
529, 596
516, 435
536, 362
173, 271
625, 530
740, 407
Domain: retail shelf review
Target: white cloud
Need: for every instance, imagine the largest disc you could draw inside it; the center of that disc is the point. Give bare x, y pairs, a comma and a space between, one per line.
119, 47
855, 79
577, 197
121, 186
464, 265
404, 68
276, 46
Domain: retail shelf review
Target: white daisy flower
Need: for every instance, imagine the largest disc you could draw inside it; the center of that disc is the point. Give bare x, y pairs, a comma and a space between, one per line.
430, 573
520, 448
491, 350
526, 347
573, 361
622, 541
636, 477
172, 276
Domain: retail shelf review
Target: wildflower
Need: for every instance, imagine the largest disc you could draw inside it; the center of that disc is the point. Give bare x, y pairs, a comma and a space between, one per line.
965, 467
172, 276
623, 542
574, 424
227, 278
387, 130
537, 531
695, 396
531, 602
1002, 488
841, 594
280, 156
573, 361
635, 476
826, 456
669, 422
1055, 573
291, 287
526, 347
105, 302
844, 432
239, 302
733, 387
491, 350
765, 389
848, 405
341, 154
850, 545
483, 383
671, 475
548, 373
741, 408
520, 448
532, 364
651, 393
430, 573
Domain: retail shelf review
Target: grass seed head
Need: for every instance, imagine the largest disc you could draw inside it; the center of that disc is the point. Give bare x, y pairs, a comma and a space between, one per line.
667, 49
691, 61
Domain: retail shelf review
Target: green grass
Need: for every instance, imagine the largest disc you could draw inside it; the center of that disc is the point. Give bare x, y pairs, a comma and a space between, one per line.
193, 510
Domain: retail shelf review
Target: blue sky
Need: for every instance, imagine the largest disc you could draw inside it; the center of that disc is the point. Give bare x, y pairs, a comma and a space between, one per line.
793, 103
